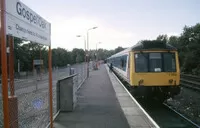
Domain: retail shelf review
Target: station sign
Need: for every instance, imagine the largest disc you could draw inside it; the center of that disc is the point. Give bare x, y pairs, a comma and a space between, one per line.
23, 22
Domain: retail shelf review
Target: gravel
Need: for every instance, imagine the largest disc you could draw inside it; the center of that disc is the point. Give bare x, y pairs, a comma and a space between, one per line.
187, 103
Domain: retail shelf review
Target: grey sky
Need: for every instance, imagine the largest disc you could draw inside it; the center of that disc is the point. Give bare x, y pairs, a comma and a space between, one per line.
120, 22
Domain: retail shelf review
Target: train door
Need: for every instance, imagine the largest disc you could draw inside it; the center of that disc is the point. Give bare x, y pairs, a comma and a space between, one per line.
128, 66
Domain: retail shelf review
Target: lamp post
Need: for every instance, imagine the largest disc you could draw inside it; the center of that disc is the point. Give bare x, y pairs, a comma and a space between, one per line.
84, 44
97, 49
97, 55
97, 44
88, 50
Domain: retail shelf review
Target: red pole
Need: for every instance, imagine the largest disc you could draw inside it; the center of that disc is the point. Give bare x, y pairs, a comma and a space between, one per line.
11, 66
4, 67
12, 99
50, 89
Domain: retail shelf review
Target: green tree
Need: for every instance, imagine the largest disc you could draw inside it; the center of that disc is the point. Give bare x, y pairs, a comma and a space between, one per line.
162, 38
60, 57
79, 58
174, 41
190, 48
119, 49
78, 53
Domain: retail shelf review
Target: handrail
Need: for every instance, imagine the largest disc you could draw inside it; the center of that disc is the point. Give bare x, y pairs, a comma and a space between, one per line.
67, 77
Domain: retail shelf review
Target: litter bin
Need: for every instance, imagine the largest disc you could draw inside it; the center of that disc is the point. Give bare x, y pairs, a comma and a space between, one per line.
66, 94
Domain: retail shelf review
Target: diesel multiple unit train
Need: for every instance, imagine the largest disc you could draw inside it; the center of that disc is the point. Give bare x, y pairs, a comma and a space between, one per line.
151, 69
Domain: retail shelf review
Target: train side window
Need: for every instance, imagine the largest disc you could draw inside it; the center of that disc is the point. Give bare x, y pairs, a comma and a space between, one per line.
118, 62
141, 62
123, 62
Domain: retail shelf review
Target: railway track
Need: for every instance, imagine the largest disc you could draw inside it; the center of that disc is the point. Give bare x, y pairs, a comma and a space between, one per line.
164, 115
190, 81
181, 115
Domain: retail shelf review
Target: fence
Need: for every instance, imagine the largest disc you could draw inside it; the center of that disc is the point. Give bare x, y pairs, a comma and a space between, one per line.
33, 96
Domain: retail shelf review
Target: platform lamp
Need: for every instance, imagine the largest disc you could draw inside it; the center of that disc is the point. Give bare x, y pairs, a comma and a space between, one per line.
88, 50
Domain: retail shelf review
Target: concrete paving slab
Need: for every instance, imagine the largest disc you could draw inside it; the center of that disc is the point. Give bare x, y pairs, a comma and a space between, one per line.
122, 94
132, 111
137, 121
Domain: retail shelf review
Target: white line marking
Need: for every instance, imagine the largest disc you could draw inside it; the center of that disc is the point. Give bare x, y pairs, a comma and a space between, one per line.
54, 117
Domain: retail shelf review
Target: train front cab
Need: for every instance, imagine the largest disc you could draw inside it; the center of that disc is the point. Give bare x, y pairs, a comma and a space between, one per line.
155, 73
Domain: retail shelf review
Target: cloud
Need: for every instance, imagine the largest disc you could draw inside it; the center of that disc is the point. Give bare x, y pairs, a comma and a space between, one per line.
173, 34
64, 34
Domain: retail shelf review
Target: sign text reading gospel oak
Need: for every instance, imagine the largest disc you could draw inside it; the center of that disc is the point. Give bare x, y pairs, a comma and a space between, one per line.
32, 18
23, 22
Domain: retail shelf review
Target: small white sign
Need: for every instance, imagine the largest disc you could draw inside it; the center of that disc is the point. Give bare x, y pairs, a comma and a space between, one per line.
38, 62
136, 56
22, 22
157, 69
7, 50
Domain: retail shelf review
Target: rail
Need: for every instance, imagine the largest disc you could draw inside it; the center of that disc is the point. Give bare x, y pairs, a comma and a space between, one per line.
181, 115
190, 81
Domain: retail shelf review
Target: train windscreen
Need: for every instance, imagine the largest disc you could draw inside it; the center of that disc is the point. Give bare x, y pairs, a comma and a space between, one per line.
155, 62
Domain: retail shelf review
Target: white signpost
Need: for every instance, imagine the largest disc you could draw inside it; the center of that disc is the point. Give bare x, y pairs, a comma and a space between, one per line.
23, 22
20, 21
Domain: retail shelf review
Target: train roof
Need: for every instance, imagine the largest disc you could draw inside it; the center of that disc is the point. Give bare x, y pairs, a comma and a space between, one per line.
126, 51
152, 45
146, 45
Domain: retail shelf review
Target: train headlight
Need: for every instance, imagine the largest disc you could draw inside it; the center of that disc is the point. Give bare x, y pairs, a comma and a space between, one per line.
140, 82
175, 82
171, 81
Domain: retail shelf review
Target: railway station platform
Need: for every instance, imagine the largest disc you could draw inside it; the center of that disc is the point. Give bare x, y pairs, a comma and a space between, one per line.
102, 102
